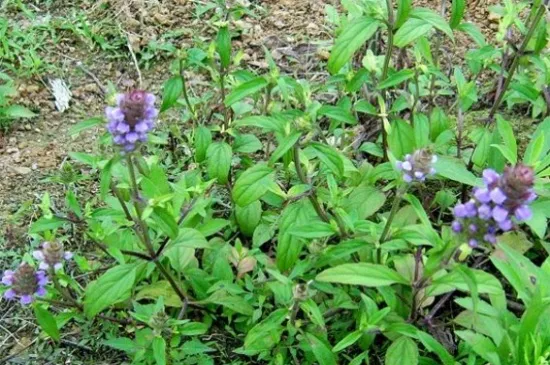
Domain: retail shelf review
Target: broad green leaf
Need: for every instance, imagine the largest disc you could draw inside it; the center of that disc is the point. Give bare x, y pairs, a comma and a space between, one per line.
114, 286
266, 334
17, 111
284, 146
246, 89
320, 350
223, 46
235, 303
330, 157
46, 321
433, 18
506, 152
534, 150
166, 221
188, 237
219, 155
159, 289
474, 33
121, 343
371, 275
454, 169
364, 201
402, 351
433, 345
289, 246
203, 139
246, 143
354, 35
347, 341
252, 184
411, 30
159, 350
172, 91
457, 12
401, 138
403, 11
396, 78
45, 224
507, 134
481, 345
313, 230
269, 124
337, 113
87, 124
105, 177
486, 283
248, 217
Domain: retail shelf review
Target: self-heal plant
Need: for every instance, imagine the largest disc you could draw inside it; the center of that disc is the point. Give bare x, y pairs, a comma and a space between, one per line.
494, 206
51, 255
132, 118
25, 283
417, 166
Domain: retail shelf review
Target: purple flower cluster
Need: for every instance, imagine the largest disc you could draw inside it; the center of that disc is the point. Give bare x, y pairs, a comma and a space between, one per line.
494, 206
132, 118
24, 283
417, 166
51, 255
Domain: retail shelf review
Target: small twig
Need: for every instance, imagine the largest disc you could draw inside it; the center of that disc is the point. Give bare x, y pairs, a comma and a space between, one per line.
80, 65
134, 59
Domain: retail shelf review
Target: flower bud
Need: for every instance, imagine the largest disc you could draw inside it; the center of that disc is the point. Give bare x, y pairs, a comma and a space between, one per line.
24, 283
52, 255
417, 166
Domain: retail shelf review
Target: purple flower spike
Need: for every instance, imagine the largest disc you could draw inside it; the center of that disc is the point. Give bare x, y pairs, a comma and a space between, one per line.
523, 213
51, 255
132, 118
24, 283
406, 166
417, 166
497, 196
500, 214
504, 198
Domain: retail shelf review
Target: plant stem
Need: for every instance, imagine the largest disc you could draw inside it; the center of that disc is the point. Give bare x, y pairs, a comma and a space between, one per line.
313, 197
395, 206
225, 108
460, 126
166, 274
515, 63
387, 60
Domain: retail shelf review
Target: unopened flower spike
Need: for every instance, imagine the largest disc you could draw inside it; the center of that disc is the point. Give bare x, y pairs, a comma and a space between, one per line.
24, 283
51, 255
132, 118
418, 166
494, 207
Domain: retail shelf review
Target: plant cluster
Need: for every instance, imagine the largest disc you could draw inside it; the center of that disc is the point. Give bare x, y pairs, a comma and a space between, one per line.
269, 226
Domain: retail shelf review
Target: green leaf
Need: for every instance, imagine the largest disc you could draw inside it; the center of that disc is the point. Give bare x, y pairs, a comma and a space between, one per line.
235, 303
474, 33
18, 111
45, 224
121, 343
173, 88
396, 78
219, 155
266, 334
320, 350
159, 289
411, 30
402, 351
506, 152
481, 345
432, 345
188, 237
330, 157
165, 221
246, 89
403, 11
337, 113
246, 143
347, 341
203, 140
507, 133
534, 150
248, 217
355, 34
87, 124
105, 177
401, 138
159, 350
433, 18
364, 201
46, 321
268, 124
114, 286
454, 169
457, 12
286, 144
252, 184
313, 230
371, 275
223, 46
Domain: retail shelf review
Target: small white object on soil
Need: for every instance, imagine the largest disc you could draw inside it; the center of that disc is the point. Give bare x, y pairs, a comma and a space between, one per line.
61, 93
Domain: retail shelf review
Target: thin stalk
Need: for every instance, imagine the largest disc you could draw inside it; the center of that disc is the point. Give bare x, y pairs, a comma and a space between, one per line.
460, 126
313, 197
225, 109
515, 63
387, 59
436, 54
184, 91
416, 95
395, 206
166, 274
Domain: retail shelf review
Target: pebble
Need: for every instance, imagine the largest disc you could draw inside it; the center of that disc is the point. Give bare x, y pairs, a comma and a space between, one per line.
12, 150
12, 140
22, 170
27, 127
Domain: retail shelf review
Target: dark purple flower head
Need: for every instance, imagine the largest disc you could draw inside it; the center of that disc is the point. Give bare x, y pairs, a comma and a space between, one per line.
52, 255
494, 206
132, 118
24, 283
417, 166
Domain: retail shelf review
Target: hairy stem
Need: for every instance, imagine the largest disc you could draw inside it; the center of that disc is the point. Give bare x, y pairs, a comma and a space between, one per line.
395, 206
387, 59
